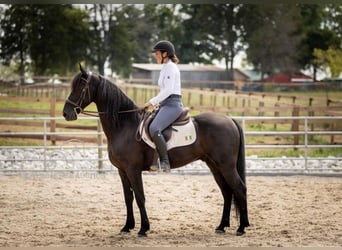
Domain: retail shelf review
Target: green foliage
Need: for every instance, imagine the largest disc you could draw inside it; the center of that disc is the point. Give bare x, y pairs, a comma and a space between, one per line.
123, 46
50, 39
273, 37
211, 32
317, 34
53, 37
330, 58
16, 28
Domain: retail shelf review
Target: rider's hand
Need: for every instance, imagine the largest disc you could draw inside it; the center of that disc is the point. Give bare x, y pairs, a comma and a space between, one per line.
147, 105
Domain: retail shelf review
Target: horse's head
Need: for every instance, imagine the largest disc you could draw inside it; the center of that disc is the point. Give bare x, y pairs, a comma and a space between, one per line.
80, 96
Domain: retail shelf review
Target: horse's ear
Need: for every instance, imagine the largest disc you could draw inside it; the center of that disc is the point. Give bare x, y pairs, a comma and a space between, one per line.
82, 70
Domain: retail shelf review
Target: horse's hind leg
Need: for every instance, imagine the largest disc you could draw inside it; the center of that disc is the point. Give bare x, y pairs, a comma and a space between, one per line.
227, 196
240, 198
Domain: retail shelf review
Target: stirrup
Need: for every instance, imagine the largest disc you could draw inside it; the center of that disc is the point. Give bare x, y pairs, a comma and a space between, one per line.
158, 168
166, 168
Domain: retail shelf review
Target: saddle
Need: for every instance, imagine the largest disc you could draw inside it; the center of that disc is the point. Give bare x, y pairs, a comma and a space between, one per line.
181, 132
182, 119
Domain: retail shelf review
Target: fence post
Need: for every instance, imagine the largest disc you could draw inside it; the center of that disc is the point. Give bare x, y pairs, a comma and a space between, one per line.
261, 107
201, 99
44, 143
306, 143
189, 98
249, 100
332, 137
214, 100
311, 113
146, 97
99, 146
276, 114
295, 124
135, 94
53, 115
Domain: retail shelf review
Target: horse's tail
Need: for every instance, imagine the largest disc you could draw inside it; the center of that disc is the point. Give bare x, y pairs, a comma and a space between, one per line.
241, 162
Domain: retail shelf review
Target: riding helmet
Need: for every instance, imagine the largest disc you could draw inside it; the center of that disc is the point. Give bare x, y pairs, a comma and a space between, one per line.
164, 45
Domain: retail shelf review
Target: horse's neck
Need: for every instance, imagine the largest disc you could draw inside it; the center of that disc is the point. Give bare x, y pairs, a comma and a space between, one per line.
113, 124
106, 127
114, 128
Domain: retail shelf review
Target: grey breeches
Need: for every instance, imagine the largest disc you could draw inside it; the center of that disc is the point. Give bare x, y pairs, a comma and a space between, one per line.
169, 111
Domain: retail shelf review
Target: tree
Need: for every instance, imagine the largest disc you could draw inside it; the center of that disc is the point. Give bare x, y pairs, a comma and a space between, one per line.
223, 32
58, 38
122, 44
111, 40
53, 37
333, 20
330, 58
101, 17
77, 37
318, 35
272, 35
141, 27
215, 30
164, 25
15, 38
192, 46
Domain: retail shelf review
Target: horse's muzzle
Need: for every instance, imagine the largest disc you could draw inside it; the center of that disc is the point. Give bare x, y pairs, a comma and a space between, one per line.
70, 114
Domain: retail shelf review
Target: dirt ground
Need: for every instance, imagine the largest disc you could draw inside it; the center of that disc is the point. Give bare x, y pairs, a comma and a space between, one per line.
88, 210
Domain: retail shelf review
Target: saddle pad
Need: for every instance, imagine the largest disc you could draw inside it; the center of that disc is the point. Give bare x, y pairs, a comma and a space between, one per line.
182, 135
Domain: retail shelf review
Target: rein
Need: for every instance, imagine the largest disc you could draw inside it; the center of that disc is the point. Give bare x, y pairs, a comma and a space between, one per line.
131, 110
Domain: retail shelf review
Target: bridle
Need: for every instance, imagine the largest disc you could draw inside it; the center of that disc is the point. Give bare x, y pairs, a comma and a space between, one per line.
85, 91
78, 104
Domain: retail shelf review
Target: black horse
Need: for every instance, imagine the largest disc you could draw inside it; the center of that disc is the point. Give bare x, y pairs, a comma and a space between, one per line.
219, 143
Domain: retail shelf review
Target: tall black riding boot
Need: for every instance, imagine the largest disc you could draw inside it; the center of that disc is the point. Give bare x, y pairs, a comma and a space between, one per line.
160, 143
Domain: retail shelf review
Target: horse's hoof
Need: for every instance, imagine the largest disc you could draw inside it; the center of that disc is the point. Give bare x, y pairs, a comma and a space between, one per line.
219, 231
142, 234
124, 232
240, 233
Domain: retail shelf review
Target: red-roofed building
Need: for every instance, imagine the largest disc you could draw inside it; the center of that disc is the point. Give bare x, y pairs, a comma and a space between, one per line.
286, 78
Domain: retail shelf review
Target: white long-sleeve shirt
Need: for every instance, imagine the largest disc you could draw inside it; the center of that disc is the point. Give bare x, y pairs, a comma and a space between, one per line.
169, 82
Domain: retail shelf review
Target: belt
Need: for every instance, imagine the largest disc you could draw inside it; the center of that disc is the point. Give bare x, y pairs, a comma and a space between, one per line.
174, 96
170, 97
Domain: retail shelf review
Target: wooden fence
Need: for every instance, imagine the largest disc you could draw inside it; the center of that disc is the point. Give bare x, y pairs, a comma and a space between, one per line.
228, 102
223, 101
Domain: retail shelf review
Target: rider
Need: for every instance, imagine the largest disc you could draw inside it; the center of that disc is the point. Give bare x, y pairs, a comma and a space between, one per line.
169, 98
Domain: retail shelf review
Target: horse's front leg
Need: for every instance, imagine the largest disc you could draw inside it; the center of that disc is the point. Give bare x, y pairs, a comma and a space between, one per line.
135, 179
128, 193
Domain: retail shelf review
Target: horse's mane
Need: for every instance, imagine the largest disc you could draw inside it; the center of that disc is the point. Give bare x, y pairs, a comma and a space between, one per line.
117, 101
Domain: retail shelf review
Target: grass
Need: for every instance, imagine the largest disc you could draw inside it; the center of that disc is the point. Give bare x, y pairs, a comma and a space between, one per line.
294, 152
17, 142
